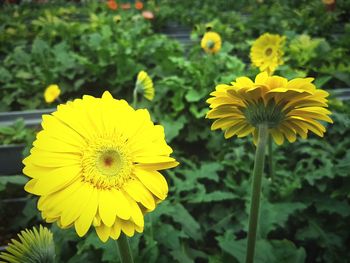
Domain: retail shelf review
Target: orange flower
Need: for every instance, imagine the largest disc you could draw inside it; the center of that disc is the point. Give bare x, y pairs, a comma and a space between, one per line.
148, 15
126, 6
112, 5
138, 5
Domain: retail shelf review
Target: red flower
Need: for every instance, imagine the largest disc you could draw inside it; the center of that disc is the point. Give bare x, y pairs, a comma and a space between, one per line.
112, 5
138, 5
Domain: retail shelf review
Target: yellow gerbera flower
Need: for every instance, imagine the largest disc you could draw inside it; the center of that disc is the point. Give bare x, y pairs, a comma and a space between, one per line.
328, 2
145, 84
117, 18
211, 42
266, 52
51, 93
96, 162
33, 246
290, 108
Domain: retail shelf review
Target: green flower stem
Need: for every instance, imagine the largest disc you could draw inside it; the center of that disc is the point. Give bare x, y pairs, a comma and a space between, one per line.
256, 191
134, 101
270, 159
124, 249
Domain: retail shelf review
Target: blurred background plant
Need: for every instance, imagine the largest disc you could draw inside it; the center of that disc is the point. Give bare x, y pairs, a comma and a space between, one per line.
85, 49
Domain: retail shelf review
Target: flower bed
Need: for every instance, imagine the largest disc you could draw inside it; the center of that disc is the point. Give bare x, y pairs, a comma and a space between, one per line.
115, 47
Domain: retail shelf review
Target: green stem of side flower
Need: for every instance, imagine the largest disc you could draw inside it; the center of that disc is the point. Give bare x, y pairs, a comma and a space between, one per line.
124, 249
270, 160
256, 191
134, 101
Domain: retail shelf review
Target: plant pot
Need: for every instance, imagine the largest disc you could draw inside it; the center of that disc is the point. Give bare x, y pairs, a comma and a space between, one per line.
11, 155
31, 118
341, 94
178, 32
11, 159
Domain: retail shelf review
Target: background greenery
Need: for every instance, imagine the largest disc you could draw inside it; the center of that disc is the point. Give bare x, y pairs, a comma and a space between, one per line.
305, 210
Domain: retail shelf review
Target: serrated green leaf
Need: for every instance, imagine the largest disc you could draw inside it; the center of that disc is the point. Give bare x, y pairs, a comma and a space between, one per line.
212, 197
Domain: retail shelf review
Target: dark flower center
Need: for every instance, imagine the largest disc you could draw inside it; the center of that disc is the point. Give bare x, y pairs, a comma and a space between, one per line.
268, 51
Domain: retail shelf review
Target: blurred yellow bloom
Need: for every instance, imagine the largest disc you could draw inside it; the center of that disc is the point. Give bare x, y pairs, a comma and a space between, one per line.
117, 18
51, 93
290, 108
211, 42
145, 84
266, 52
33, 246
328, 2
96, 162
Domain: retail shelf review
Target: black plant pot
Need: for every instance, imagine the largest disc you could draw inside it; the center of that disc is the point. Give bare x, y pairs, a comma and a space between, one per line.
178, 32
11, 159
31, 118
11, 155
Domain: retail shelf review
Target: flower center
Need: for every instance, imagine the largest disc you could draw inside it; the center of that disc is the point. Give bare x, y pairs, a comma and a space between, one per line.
210, 44
107, 163
259, 113
268, 51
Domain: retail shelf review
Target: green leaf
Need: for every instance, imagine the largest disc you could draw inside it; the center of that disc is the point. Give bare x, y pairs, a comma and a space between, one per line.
333, 206
13, 179
24, 75
194, 95
276, 214
180, 215
198, 113
237, 248
286, 252
321, 81
173, 127
212, 197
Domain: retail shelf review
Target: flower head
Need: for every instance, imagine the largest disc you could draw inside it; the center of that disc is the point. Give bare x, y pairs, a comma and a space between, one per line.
290, 108
138, 5
51, 93
148, 15
126, 6
96, 162
328, 2
117, 19
32, 246
266, 52
211, 42
112, 5
145, 84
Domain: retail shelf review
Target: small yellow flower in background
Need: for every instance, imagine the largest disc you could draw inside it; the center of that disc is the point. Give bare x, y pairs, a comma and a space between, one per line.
209, 26
145, 84
211, 42
33, 246
117, 18
290, 108
266, 52
51, 93
96, 162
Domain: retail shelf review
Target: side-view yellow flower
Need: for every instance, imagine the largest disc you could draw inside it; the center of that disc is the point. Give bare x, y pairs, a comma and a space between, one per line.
96, 162
266, 52
290, 108
51, 93
33, 246
211, 42
145, 84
